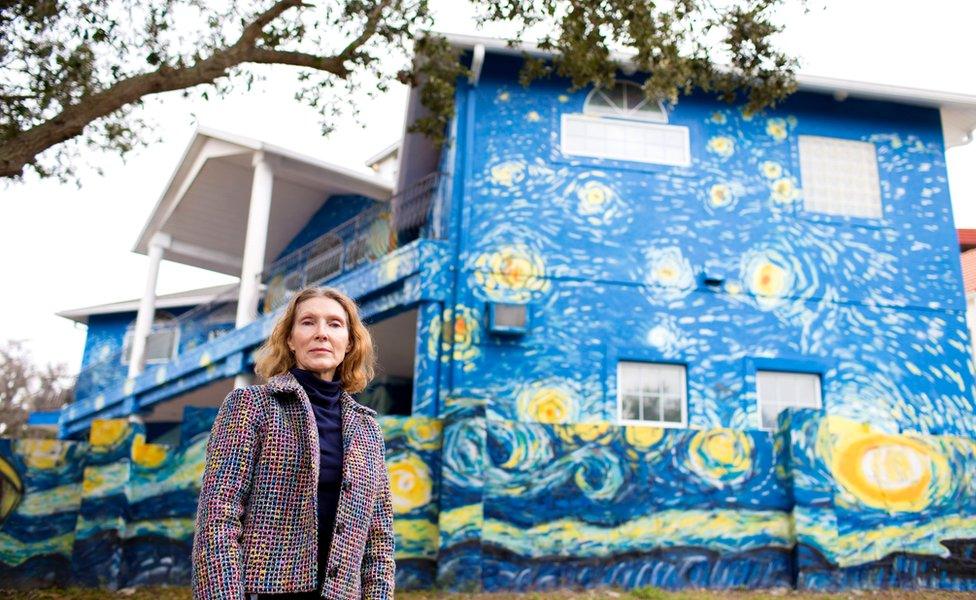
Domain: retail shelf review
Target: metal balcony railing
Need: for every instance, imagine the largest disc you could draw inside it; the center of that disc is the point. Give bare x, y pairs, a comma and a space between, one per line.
192, 328
366, 237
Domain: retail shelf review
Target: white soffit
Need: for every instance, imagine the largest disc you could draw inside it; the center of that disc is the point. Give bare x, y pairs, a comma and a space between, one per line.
204, 207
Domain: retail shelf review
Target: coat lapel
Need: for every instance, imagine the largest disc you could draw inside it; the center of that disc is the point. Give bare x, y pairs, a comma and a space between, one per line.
350, 421
286, 384
351, 410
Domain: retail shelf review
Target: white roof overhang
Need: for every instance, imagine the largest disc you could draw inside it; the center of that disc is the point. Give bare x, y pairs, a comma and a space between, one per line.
186, 298
203, 209
958, 110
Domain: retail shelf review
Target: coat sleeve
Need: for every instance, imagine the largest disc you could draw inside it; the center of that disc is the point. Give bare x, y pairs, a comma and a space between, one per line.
231, 452
379, 569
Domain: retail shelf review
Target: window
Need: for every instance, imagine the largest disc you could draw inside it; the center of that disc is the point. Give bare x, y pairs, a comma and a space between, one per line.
624, 100
161, 343
840, 177
622, 124
651, 393
777, 390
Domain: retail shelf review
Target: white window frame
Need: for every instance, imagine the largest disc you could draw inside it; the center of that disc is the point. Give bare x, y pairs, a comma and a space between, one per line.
618, 112
682, 388
870, 179
759, 396
569, 120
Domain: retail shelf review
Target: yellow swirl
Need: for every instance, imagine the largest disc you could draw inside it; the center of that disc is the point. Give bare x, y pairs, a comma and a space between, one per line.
410, 482
146, 455
894, 472
511, 273
721, 456
107, 433
546, 405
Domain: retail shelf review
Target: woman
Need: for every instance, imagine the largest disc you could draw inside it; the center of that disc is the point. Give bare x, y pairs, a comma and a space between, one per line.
296, 500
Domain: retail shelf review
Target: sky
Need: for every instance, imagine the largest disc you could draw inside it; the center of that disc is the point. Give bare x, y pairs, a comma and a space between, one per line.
67, 247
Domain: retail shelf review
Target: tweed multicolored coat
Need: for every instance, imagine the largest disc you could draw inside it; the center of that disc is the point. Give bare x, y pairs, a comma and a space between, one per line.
256, 520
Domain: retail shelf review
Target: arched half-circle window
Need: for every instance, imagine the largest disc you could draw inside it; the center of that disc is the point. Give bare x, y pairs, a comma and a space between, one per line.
625, 100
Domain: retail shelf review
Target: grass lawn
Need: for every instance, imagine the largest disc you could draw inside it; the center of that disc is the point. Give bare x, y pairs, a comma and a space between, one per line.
181, 593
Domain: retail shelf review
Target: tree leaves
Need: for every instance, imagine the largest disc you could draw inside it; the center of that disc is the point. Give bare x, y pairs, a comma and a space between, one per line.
65, 64
26, 387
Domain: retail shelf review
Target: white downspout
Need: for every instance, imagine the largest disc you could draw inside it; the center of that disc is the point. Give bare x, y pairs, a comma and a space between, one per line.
477, 61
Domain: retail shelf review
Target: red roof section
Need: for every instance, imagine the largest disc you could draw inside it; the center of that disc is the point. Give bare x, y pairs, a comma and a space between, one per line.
969, 270
967, 239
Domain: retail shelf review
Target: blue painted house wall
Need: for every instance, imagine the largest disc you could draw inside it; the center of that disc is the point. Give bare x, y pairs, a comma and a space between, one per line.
875, 304
610, 258
105, 336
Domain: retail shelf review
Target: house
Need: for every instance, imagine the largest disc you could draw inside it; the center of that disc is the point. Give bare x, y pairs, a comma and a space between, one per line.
621, 343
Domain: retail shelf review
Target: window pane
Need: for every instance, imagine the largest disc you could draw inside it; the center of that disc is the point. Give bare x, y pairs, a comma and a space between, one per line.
127, 347
669, 382
629, 377
769, 412
615, 95
602, 138
598, 100
672, 409
650, 383
630, 409
159, 345
776, 390
652, 408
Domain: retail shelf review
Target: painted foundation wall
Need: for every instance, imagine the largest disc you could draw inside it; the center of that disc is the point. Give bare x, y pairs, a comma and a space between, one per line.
494, 504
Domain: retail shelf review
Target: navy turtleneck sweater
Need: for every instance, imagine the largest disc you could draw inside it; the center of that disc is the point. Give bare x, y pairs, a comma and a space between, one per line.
324, 396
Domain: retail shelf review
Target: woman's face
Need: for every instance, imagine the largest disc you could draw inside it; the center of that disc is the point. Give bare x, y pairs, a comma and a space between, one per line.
319, 336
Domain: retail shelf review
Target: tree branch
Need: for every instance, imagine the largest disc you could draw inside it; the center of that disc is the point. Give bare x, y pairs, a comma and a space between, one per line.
18, 152
368, 30
332, 64
253, 30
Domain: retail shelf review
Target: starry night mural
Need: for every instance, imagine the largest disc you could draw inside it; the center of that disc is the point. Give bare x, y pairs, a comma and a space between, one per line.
519, 467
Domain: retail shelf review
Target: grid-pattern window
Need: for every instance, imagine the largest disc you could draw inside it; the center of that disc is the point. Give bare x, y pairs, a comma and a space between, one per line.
651, 393
840, 177
583, 135
777, 390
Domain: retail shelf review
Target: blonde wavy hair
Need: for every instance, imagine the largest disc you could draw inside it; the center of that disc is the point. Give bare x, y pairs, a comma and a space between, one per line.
356, 369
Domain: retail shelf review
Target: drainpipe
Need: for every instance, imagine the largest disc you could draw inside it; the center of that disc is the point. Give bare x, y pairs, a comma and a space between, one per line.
147, 305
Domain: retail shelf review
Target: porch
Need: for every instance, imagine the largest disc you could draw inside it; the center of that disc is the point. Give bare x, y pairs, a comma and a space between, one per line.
378, 256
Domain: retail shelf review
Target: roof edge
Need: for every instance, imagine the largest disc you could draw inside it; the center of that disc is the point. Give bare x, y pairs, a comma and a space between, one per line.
196, 145
807, 82
184, 298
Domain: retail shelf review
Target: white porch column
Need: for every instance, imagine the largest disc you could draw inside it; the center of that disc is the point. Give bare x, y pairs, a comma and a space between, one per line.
147, 305
256, 238
252, 263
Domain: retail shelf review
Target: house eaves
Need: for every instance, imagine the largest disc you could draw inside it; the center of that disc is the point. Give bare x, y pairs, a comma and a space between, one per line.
185, 298
202, 211
958, 110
